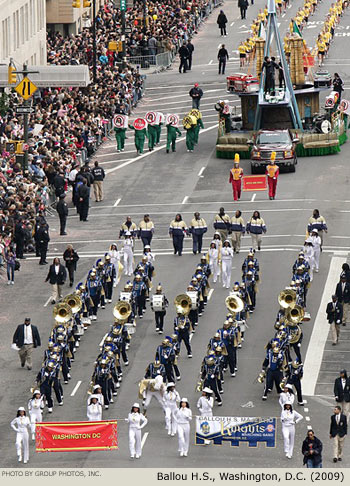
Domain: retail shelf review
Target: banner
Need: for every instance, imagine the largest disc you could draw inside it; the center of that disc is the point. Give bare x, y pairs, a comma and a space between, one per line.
120, 121
253, 430
151, 117
254, 183
76, 436
172, 119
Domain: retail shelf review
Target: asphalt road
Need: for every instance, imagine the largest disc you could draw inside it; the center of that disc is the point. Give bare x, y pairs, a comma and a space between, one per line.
162, 185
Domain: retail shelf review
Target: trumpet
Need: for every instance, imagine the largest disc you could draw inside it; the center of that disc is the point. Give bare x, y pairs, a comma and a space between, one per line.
234, 304
183, 304
199, 386
74, 301
62, 313
283, 382
261, 377
287, 298
122, 310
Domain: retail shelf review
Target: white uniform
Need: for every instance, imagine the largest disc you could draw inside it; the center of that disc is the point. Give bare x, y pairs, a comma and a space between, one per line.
171, 400
205, 406
214, 263
99, 397
94, 412
183, 418
150, 256
289, 419
136, 421
115, 259
316, 241
35, 408
226, 259
21, 426
309, 255
128, 251
286, 398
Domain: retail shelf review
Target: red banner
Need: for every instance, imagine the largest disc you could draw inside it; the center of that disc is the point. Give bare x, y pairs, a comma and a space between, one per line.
254, 183
76, 436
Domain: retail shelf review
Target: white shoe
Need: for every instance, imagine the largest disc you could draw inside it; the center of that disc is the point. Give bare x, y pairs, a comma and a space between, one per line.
137, 456
169, 433
19, 458
25, 462
49, 410
181, 453
132, 456
12, 282
172, 434
114, 285
185, 454
9, 283
33, 436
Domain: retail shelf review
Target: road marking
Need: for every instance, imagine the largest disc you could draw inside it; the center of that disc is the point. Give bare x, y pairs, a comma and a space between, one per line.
210, 62
117, 202
283, 15
313, 361
144, 438
231, 24
253, 197
125, 164
201, 171
191, 336
102, 341
75, 389
309, 427
306, 409
184, 200
105, 162
48, 300
210, 293
307, 419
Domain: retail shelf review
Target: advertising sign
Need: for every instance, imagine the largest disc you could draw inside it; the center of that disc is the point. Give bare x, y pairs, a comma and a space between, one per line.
140, 124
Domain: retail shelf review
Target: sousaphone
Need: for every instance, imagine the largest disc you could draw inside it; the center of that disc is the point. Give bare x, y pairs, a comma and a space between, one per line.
183, 304
234, 304
62, 313
122, 310
287, 298
74, 301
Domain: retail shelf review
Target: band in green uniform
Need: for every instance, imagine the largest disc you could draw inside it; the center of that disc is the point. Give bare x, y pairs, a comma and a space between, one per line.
152, 136
139, 138
171, 137
120, 138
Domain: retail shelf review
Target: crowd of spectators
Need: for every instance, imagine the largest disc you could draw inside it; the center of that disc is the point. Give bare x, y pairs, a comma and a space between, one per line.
68, 125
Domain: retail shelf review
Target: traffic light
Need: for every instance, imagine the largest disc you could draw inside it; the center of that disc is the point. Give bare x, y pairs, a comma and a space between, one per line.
12, 77
19, 147
76, 4
86, 3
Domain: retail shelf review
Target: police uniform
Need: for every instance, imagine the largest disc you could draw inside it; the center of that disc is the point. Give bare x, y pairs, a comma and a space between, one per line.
62, 210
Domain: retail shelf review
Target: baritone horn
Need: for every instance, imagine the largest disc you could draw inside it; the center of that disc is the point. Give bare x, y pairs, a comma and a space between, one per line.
74, 301
62, 313
122, 310
287, 298
183, 304
234, 304
294, 315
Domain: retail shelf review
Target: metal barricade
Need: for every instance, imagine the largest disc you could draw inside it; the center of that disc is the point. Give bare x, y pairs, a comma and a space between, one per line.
144, 62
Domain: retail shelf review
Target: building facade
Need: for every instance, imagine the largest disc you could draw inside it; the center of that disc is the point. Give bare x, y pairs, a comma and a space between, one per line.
62, 17
23, 32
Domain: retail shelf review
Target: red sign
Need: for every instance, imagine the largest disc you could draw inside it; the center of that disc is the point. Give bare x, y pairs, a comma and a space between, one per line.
151, 117
140, 124
76, 436
254, 183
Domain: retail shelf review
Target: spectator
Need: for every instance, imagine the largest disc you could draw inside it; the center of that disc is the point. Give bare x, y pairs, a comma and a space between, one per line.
11, 264
342, 392
222, 21
312, 451
98, 175
71, 257
196, 94
334, 315
57, 276
26, 338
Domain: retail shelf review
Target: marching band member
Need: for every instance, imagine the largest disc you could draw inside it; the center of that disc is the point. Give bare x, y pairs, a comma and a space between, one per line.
94, 409
115, 260
287, 396
128, 252
159, 304
97, 392
205, 403
272, 173
295, 374
45, 379
214, 261
35, 407
236, 176
139, 289
110, 277
20, 425
171, 400
155, 371
210, 376
238, 229
166, 355
256, 227
289, 418
182, 326
94, 288
183, 418
137, 421
317, 245
272, 365
226, 261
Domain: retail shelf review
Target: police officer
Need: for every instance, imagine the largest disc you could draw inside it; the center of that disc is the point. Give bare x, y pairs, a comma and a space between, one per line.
43, 239
83, 200
62, 210
99, 175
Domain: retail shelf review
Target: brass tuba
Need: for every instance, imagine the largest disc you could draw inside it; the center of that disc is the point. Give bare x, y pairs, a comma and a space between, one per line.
183, 304
295, 334
122, 310
234, 304
74, 301
287, 298
294, 316
62, 313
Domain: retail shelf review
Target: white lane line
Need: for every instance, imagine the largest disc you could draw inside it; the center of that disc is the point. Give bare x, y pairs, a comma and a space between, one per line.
306, 409
320, 330
102, 340
184, 200
201, 171
253, 197
283, 15
231, 24
48, 300
105, 162
75, 389
117, 202
309, 427
144, 438
307, 419
210, 293
210, 62
147, 154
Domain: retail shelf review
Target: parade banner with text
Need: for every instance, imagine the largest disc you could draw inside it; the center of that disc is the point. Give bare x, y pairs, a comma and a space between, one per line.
76, 436
254, 183
253, 430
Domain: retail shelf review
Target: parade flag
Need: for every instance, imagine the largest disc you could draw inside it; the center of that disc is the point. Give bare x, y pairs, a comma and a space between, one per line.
254, 183
252, 430
296, 29
262, 31
76, 436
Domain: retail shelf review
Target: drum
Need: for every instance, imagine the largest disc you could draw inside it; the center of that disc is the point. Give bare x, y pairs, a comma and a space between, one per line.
193, 295
158, 302
241, 325
125, 296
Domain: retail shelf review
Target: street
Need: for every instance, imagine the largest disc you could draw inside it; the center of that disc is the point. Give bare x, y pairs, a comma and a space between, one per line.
163, 185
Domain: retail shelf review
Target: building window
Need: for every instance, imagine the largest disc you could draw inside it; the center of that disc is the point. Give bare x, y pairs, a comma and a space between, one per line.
26, 23
21, 26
